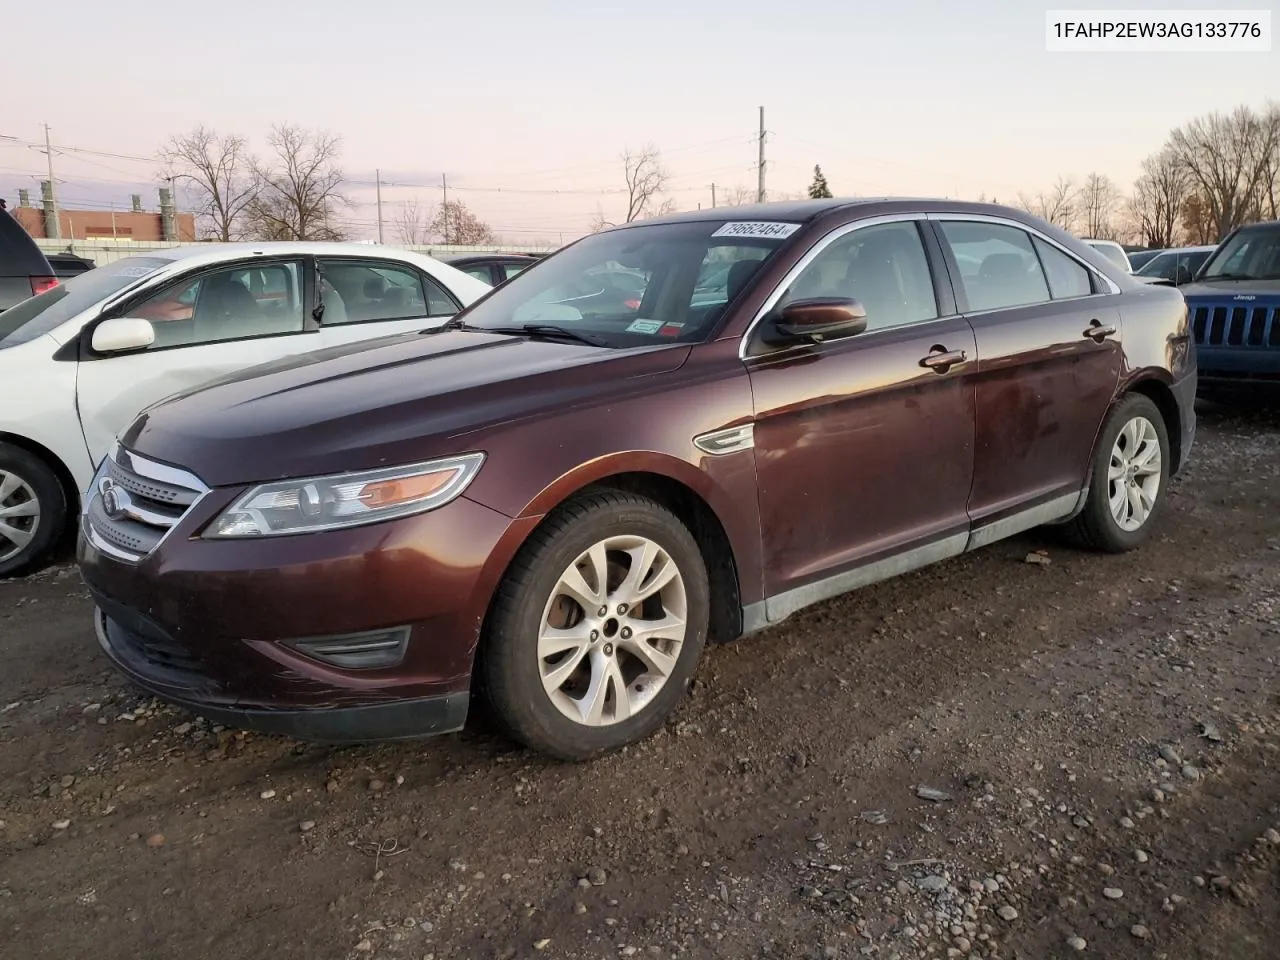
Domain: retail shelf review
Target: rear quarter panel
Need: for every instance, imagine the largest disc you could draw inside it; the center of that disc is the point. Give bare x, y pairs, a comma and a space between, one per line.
1157, 335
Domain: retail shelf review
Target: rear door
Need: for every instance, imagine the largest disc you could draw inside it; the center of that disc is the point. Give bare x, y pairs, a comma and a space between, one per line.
367, 298
1049, 362
209, 323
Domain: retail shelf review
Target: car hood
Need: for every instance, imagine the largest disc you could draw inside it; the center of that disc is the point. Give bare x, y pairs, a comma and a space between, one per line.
1244, 292
394, 400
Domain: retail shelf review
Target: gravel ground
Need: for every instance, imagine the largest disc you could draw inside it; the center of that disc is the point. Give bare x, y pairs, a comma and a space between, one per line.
997, 757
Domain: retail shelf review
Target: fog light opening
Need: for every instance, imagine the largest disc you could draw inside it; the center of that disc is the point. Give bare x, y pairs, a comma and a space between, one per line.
356, 651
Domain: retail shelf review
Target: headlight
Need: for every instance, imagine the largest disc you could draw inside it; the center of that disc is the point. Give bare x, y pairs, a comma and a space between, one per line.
347, 499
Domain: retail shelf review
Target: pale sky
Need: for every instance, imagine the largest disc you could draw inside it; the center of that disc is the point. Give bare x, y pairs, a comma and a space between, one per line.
515, 101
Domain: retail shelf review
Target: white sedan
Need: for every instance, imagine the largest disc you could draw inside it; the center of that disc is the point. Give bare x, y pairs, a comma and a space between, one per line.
79, 362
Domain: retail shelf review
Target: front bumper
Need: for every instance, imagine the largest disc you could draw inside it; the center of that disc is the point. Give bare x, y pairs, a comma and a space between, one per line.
211, 625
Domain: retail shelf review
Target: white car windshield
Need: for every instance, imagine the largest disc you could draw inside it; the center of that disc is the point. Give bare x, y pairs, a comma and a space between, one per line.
36, 316
635, 286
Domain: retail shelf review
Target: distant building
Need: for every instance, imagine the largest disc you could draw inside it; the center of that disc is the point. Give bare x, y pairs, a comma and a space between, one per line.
132, 224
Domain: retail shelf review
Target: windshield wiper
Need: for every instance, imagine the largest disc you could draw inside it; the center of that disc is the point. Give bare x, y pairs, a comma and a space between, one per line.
453, 323
546, 330
1228, 276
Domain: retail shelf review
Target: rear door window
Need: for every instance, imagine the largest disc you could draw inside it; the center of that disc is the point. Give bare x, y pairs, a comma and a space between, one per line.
999, 267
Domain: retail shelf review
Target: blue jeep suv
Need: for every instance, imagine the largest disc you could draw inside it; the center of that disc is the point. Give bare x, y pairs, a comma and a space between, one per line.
1235, 310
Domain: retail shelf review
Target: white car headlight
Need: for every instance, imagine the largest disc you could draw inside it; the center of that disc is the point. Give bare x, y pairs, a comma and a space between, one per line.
347, 499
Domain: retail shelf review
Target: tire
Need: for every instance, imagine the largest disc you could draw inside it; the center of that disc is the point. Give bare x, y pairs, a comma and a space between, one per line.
535, 697
1099, 526
25, 480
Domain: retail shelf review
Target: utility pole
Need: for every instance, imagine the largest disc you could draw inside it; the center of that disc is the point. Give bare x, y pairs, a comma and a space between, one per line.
713, 196
53, 197
760, 162
444, 207
377, 178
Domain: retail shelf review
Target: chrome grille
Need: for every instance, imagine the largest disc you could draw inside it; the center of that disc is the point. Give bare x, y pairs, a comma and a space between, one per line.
134, 503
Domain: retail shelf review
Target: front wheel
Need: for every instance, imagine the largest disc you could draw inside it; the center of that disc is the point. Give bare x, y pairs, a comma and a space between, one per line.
1127, 480
33, 510
597, 628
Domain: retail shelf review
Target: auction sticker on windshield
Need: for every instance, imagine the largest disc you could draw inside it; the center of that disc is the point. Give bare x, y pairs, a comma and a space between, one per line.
644, 326
757, 228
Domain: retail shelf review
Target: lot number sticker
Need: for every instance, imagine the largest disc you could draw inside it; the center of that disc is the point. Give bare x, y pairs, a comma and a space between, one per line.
757, 228
644, 326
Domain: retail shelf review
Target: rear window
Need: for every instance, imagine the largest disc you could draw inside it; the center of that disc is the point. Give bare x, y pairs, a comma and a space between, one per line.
36, 316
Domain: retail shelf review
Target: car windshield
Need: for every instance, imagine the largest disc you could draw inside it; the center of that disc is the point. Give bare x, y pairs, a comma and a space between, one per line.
36, 316
1251, 254
635, 286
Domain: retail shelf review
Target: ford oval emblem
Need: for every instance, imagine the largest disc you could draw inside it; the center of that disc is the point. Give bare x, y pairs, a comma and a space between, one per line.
111, 504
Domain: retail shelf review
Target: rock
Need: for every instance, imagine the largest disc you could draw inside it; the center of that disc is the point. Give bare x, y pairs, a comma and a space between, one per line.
1170, 755
583, 882
542, 944
932, 883
902, 887
1141, 856
364, 946
932, 793
376, 786
155, 840
1190, 771
182, 729
1039, 557
267, 795
875, 817
1139, 931
92, 708
580, 908
1007, 912
1198, 881
1127, 823
991, 885
1220, 883
1273, 836
306, 826
1106, 869
1210, 732
1112, 893
1157, 795
963, 944
332, 786
1077, 943
61, 824
596, 876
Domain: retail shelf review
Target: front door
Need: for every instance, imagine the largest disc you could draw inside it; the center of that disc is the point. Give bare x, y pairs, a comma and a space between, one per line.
864, 445
208, 324
1048, 334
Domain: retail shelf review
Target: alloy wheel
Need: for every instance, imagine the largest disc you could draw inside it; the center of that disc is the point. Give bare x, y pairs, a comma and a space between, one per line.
19, 514
612, 630
1133, 475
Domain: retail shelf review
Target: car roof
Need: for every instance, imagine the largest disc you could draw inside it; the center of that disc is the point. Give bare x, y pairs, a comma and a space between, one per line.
278, 248
462, 257
803, 211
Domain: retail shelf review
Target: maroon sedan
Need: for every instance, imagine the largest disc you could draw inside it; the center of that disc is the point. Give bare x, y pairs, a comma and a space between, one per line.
557, 498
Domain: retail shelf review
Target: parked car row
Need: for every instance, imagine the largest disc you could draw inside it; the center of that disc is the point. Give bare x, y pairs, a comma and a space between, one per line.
677, 431
82, 359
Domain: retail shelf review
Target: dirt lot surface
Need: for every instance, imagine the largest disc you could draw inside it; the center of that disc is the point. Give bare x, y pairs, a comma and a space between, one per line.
991, 758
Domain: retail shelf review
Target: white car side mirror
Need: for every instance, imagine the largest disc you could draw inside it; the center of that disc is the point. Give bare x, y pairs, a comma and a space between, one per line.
123, 333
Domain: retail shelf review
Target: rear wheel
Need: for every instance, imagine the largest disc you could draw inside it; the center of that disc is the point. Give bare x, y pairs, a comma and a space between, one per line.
33, 510
1128, 479
597, 629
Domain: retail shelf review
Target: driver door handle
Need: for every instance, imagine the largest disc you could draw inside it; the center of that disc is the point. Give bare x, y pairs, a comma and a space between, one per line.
1098, 332
940, 359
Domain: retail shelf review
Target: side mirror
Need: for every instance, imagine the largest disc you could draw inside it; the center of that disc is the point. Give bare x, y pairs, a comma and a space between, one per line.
821, 318
123, 333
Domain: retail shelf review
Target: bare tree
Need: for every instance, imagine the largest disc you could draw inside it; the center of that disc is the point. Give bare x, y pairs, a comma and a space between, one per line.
1098, 201
1058, 205
1268, 201
221, 176
412, 223
1159, 195
736, 197
645, 178
1198, 221
1228, 157
301, 187
458, 225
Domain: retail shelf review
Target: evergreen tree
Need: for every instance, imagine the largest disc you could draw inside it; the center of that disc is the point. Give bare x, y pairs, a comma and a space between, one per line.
819, 189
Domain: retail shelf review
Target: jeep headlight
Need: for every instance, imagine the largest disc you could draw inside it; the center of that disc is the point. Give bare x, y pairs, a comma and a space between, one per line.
346, 499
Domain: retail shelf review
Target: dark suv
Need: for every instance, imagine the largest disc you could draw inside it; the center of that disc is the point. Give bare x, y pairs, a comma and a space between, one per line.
24, 269
1235, 311
557, 503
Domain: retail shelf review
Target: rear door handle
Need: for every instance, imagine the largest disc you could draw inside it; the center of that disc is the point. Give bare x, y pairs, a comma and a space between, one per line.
1098, 332
940, 359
